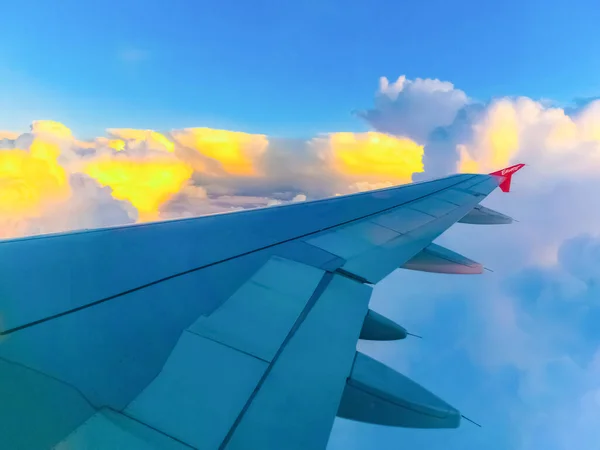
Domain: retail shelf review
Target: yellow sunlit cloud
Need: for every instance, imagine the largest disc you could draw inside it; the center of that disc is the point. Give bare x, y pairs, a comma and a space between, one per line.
496, 140
466, 164
236, 151
31, 180
147, 184
502, 134
373, 155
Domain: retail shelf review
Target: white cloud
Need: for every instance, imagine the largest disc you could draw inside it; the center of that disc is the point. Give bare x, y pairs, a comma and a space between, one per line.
362, 186
414, 108
299, 198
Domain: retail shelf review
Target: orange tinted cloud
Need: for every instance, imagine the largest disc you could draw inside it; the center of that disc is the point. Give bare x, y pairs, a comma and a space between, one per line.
8, 135
589, 122
237, 152
563, 133
114, 144
153, 139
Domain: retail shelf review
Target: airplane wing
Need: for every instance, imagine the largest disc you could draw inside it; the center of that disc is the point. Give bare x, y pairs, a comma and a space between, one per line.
231, 331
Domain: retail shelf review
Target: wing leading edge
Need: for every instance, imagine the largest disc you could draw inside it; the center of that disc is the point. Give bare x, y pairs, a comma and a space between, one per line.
223, 332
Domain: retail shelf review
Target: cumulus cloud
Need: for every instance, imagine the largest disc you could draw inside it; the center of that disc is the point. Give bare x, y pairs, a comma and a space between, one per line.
414, 108
31, 181
299, 198
185, 172
553, 141
237, 153
371, 156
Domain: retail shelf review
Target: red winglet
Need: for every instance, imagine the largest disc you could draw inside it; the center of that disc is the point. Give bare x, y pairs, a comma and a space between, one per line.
505, 176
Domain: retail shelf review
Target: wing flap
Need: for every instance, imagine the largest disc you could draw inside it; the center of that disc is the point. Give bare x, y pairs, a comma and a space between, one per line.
200, 391
297, 401
229, 351
112, 350
258, 317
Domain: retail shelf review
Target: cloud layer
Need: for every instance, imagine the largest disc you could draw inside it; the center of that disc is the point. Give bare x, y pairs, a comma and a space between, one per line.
150, 175
517, 349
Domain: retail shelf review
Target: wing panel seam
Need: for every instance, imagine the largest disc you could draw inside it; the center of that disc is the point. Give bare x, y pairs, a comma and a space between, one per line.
226, 345
323, 284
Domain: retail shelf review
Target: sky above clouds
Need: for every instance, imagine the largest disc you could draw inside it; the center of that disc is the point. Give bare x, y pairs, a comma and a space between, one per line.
119, 113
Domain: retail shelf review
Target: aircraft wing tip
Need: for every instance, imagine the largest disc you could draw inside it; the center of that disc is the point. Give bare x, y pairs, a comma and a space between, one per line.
505, 175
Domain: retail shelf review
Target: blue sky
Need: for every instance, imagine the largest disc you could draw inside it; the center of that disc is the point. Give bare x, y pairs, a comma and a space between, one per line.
284, 68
